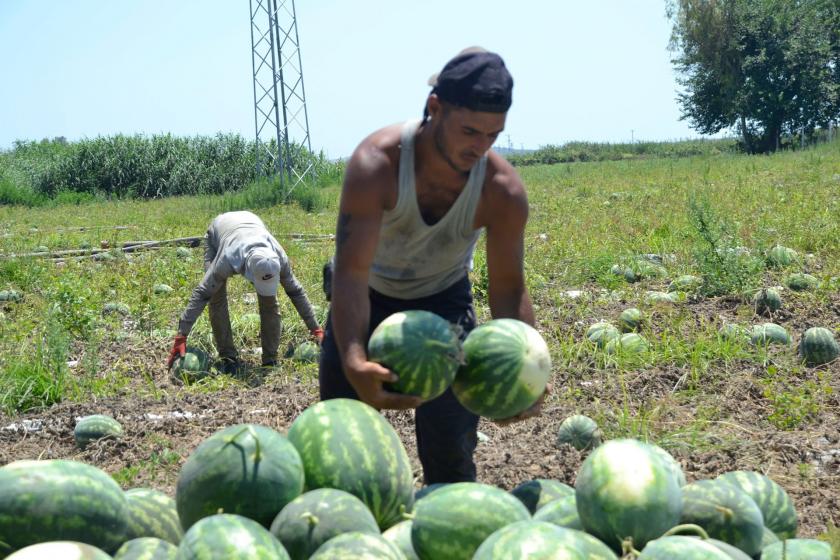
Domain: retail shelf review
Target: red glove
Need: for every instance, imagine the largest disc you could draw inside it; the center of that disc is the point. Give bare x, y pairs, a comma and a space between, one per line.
179, 349
318, 334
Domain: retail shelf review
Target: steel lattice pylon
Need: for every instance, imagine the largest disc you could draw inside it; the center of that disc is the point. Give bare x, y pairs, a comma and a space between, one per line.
280, 118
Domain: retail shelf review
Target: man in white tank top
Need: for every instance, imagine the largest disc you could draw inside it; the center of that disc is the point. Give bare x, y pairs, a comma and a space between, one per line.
415, 198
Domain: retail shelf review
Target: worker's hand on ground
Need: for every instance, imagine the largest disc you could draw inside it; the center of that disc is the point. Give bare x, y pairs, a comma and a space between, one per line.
179, 350
317, 334
367, 379
534, 410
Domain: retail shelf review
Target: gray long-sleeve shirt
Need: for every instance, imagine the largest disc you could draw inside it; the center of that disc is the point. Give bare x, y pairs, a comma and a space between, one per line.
230, 238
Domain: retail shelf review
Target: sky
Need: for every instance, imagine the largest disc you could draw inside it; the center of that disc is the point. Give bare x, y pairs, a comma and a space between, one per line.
594, 71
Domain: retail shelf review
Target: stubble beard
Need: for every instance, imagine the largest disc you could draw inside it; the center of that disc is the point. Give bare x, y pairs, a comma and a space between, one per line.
437, 136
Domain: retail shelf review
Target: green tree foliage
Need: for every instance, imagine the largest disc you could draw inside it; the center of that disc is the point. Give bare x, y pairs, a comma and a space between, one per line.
765, 67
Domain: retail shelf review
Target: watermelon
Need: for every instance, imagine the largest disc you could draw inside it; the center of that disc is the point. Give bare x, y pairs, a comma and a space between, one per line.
59, 550
307, 353
422, 348
10, 296
579, 431
662, 297
630, 320
146, 548
244, 469
682, 548
151, 513
725, 512
357, 546
315, 517
627, 344
601, 332
347, 445
537, 493
183, 253
781, 256
225, 536
769, 333
801, 282
194, 365
452, 522
530, 539
115, 307
671, 464
767, 300
797, 549
60, 500
400, 536
428, 489
627, 272
734, 332
818, 346
506, 371
775, 504
95, 427
161, 289
561, 512
685, 283
249, 324
624, 490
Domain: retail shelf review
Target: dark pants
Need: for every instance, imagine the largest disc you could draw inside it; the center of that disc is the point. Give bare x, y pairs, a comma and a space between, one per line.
446, 431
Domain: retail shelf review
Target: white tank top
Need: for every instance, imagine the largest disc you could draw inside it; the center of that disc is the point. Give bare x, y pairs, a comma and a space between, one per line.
414, 259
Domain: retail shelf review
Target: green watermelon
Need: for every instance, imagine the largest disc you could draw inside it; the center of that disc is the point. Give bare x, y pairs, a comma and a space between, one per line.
685, 283
797, 549
630, 320
601, 332
506, 371
452, 522
561, 512
10, 296
161, 289
662, 297
183, 253
226, 536
194, 365
400, 536
529, 539
627, 272
60, 500
428, 489
769, 333
307, 353
775, 504
357, 546
315, 517
244, 469
59, 550
422, 348
146, 548
627, 344
624, 490
151, 513
249, 325
683, 548
347, 445
114, 307
801, 282
537, 493
579, 431
780, 256
671, 464
725, 512
95, 427
767, 300
732, 552
818, 346
734, 332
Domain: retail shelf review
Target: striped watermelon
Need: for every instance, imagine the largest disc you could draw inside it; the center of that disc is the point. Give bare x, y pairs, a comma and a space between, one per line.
734, 332
421, 348
315, 517
797, 549
775, 504
769, 333
348, 445
146, 548
627, 344
630, 320
601, 332
671, 464
60, 500
59, 550
400, 536
561, 512
357, 546
452, 522
226, 536
725, 512
307, 353
781, 256
579, 431
194, 365
95, 427
682, 548
244, 469
530, 539
534, 494
818, 346
624, 490
152, 513
767, 300
685, 283
801, 282
506, 371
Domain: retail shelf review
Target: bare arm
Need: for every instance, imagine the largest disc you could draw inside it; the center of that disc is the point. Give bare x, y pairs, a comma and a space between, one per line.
368, 176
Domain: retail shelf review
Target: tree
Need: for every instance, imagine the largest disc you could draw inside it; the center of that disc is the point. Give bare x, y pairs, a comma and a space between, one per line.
763, 67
